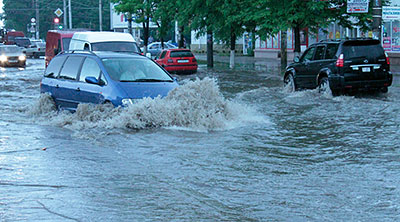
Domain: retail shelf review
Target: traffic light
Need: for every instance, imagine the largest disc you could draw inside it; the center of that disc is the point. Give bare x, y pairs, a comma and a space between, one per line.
60, 27
56, 20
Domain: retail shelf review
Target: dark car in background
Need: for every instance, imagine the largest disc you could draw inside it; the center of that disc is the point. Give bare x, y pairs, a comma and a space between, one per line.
12, 55
178, 61
9, 38
103, 77
346, 65
23, 42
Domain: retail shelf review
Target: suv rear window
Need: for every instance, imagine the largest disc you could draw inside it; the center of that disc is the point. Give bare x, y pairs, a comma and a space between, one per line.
181, 54
362, 49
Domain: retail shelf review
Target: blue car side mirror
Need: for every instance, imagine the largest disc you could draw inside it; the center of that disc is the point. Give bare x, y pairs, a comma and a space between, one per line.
92, 80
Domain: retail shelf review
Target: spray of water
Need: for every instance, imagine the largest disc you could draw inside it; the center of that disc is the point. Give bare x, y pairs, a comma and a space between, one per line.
196, 105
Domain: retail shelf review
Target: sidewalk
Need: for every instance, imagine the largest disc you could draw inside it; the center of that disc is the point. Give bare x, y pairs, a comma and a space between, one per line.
262, 63
245, 61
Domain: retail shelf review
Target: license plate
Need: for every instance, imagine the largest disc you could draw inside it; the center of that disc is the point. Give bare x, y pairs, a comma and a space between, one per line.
183, 60
366, 69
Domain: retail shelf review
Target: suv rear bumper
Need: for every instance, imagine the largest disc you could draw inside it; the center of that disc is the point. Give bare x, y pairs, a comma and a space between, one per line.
337, 82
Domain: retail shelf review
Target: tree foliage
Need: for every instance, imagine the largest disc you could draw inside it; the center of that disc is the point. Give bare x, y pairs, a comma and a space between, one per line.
85, 15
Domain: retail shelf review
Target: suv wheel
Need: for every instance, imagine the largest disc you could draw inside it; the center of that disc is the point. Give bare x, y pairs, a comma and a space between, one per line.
289, 84
323, 85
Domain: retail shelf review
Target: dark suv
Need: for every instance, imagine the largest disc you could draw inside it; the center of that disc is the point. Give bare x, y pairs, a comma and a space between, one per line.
343, 65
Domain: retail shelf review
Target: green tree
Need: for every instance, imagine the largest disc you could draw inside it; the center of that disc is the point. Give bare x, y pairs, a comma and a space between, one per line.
231, 27
85, 15
17, 14
204, 15
142, 10
163, 17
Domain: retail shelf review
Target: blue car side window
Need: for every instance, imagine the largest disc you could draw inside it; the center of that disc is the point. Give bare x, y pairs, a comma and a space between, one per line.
53, 68
89, 68
71, 67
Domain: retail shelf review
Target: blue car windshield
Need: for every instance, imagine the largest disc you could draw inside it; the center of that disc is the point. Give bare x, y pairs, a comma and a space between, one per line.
135, 70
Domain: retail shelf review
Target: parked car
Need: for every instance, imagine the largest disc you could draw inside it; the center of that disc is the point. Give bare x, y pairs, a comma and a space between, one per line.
155, 48
104, 41
56, 41
103, 77
12, 55
22, 42
36, 49
9, 38
178, 61
342, 65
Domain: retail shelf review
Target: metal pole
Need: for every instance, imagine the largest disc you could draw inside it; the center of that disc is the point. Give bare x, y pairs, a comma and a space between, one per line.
37, 19
70, 14
100, 17
65, 13
377, 18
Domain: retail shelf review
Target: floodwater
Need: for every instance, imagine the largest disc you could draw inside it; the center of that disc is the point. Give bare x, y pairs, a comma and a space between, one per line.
225, 146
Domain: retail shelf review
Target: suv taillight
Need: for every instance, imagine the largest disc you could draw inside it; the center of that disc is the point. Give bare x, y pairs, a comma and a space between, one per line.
387, 59
194, 60
340, 61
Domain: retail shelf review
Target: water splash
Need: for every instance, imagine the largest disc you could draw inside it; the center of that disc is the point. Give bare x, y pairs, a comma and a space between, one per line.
44, 106
196, 105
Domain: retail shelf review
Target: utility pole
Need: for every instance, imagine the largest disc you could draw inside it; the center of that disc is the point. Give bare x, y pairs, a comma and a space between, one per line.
100, 17
37, 18
70, 14
65, 13
377, 18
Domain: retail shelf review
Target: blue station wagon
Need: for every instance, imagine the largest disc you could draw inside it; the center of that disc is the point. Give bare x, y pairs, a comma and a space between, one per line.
103, 77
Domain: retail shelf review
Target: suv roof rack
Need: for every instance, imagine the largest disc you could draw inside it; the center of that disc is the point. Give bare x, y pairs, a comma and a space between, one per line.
78, 51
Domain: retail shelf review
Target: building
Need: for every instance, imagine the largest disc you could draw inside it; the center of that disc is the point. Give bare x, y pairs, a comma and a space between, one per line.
119, 23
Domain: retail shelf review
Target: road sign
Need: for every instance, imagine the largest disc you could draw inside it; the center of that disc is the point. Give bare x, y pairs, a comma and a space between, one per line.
357, 6
58, 12
390, 13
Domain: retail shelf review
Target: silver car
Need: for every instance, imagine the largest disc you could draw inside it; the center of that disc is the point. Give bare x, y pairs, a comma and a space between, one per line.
12, 55
36, 49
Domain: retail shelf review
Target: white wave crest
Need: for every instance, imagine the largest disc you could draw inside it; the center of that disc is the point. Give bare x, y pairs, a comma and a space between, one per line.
43, 106
196, 105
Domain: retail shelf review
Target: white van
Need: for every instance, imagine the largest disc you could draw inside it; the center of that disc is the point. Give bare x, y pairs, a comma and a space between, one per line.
104, 41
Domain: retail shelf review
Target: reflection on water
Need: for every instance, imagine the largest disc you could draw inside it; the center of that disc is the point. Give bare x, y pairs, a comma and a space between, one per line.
232, 146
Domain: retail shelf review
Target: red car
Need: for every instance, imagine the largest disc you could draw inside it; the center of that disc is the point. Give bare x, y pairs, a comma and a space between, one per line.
178, 61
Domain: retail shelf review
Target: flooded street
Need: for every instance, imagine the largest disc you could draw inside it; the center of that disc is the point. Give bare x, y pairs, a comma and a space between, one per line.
228, 146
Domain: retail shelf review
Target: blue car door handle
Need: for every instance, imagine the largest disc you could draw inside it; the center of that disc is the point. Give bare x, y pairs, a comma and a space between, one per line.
78, 89
57, 86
